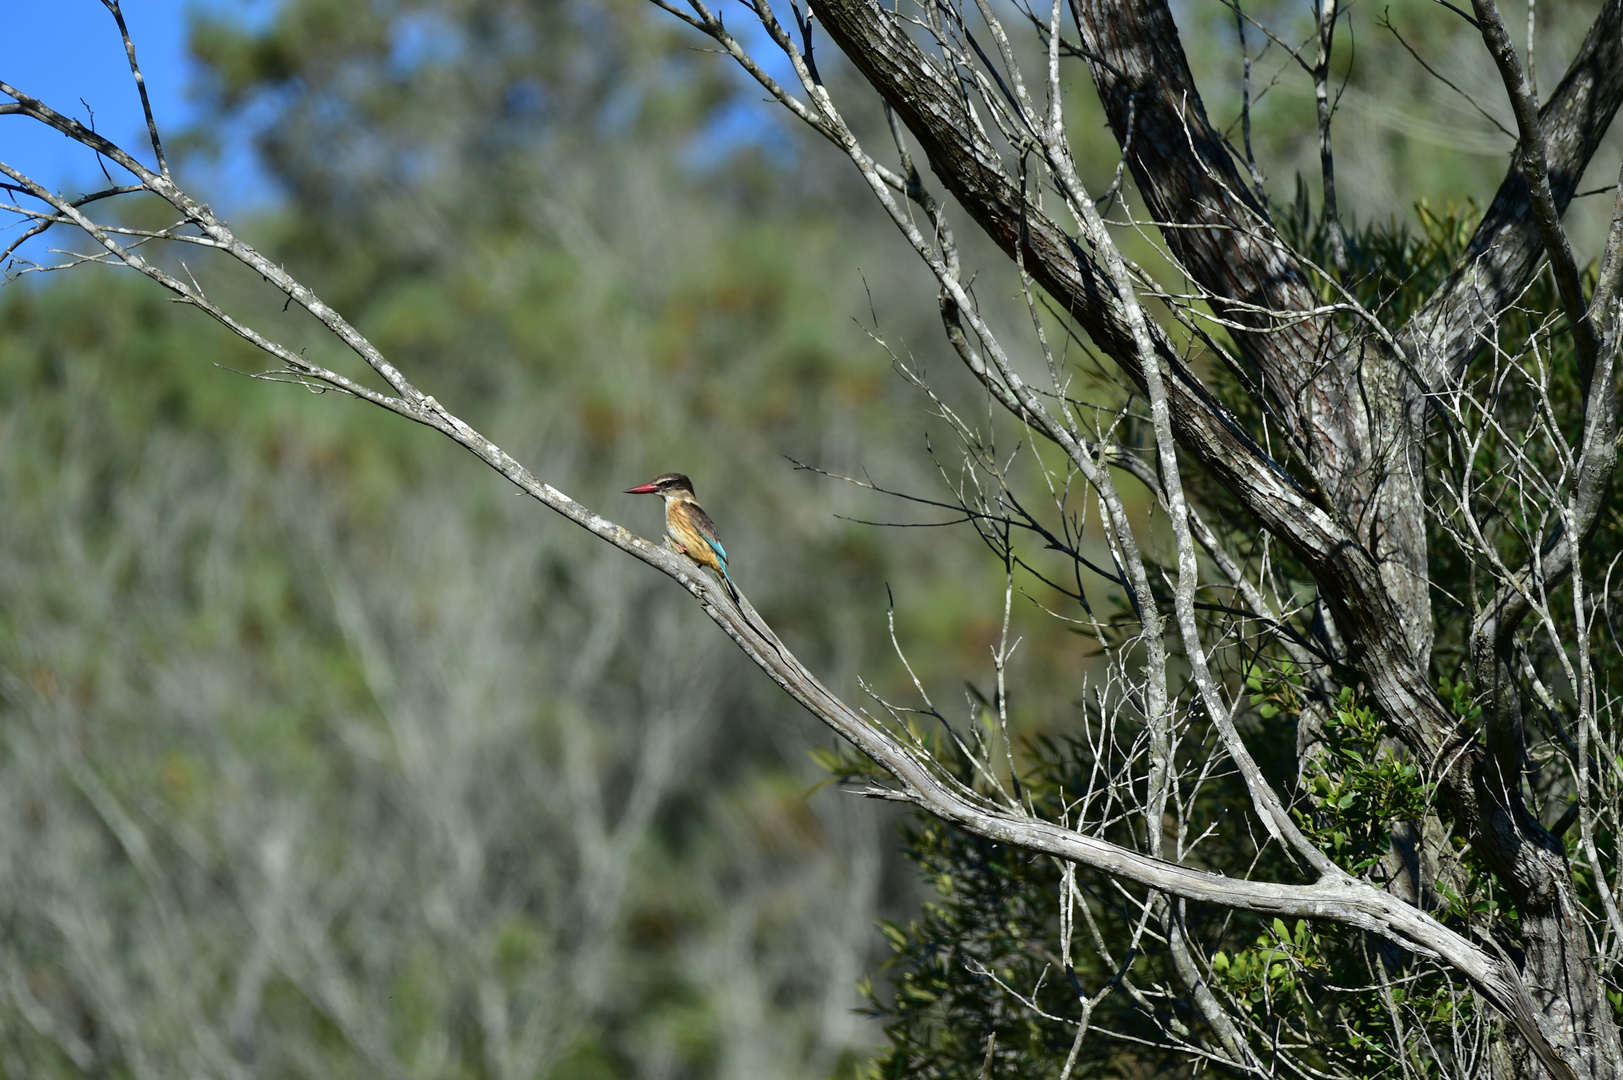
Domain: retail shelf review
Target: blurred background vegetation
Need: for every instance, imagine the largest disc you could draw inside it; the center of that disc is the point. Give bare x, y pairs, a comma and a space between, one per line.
323, 754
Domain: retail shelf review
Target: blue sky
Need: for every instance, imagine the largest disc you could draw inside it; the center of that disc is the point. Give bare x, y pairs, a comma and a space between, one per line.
68, 54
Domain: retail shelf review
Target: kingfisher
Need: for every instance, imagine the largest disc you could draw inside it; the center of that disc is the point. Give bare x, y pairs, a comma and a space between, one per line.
687, 522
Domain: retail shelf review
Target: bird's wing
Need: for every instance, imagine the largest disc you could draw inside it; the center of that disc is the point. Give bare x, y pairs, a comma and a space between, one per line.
706, 529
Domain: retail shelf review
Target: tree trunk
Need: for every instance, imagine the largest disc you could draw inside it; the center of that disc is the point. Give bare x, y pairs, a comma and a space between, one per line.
1349, 408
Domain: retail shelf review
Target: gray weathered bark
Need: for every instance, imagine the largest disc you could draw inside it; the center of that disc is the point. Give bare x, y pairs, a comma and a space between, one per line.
1349, 502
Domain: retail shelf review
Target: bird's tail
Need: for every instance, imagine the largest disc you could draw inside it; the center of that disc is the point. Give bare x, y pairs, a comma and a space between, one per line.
732, 586
750, 614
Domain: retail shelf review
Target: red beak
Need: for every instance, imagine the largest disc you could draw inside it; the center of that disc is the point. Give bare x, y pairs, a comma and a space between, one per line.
645, 489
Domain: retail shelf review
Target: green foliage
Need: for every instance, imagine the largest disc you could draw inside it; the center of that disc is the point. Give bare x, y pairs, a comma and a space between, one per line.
999, 914
1303, 972
981, 959
986, 939
986, 924
1392, 266
1270, 970
1274, 692
1457, 695
1359, 786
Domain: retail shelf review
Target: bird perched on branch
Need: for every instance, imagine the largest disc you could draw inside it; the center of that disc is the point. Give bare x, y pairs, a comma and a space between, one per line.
687, 522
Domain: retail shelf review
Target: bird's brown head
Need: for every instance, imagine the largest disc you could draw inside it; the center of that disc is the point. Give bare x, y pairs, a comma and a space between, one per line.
671, 483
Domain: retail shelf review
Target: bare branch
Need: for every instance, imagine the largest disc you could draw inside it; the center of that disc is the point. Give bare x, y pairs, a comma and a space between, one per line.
140, 86
1504, 251
1327, 15
1536, 170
